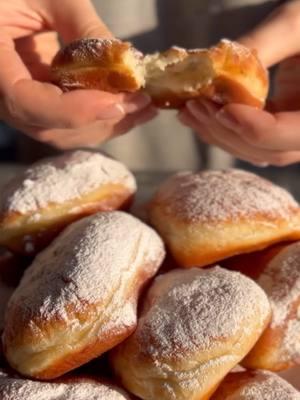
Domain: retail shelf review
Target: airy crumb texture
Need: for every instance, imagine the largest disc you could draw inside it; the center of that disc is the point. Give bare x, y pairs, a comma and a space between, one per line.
16, 388
214, 196
63, 178
255, 385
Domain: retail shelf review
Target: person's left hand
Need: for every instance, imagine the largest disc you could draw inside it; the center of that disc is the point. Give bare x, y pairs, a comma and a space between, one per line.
262, 137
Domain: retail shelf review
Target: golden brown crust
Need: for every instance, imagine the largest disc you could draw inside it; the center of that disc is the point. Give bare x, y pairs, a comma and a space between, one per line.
28, 238
212, 215
255, 385
51, 194
227, 73
191, 333
277, 271
96, 64
93, 273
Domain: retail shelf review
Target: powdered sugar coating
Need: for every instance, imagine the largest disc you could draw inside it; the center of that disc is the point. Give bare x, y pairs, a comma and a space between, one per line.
218, 196
61, 179
83, 49
265, 386
15, 388
91, 260
241, 51
281, 281
188, 311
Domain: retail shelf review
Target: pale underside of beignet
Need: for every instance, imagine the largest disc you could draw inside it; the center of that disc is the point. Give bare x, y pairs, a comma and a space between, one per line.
79, 297
196, 325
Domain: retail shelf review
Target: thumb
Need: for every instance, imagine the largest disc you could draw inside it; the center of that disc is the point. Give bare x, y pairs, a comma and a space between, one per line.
278, 37
74, 19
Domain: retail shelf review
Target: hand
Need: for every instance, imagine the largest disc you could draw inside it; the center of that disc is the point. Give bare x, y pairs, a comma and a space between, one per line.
261, 137
28, 42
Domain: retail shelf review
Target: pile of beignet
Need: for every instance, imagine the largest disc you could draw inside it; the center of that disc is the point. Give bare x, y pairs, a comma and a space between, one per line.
82, 279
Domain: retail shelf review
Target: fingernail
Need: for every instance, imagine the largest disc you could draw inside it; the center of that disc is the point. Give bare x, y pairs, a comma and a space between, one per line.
135, 102
197, 109
147, 116
260, 164
227, 120
114, 111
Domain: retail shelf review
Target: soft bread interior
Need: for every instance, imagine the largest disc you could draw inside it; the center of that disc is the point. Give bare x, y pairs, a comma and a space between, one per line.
174, 71
134, 62
178, 72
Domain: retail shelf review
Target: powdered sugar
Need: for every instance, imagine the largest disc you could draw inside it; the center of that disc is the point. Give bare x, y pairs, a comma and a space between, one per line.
214, 196
237, 49
60, 179
191, 310
281, 282
265, 386
14, 388
91, 260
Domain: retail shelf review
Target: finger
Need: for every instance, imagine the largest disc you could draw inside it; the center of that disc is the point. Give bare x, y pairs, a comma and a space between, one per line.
278, 36
224, 138
11, 65
93, 134
279, 131
131, 121
76, 19
37, 52
55, 109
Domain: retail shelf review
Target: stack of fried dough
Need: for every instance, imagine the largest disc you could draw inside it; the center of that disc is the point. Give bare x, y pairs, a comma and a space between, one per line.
201, 301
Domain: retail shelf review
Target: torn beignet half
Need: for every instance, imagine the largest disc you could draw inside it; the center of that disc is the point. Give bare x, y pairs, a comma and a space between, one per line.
277, 272
225, 73
195, 326
36, 205
104, 64
79, 297
208, 216
255, 385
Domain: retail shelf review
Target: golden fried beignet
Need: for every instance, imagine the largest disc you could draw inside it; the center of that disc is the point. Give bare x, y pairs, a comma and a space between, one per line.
105, 64
225, 73
196, 325
277, 271
13, 387
208, 216
78, 299
54, 192
255, 385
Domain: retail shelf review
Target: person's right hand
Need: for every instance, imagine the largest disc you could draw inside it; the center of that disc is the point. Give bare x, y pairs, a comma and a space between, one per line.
262, 137
28, 42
